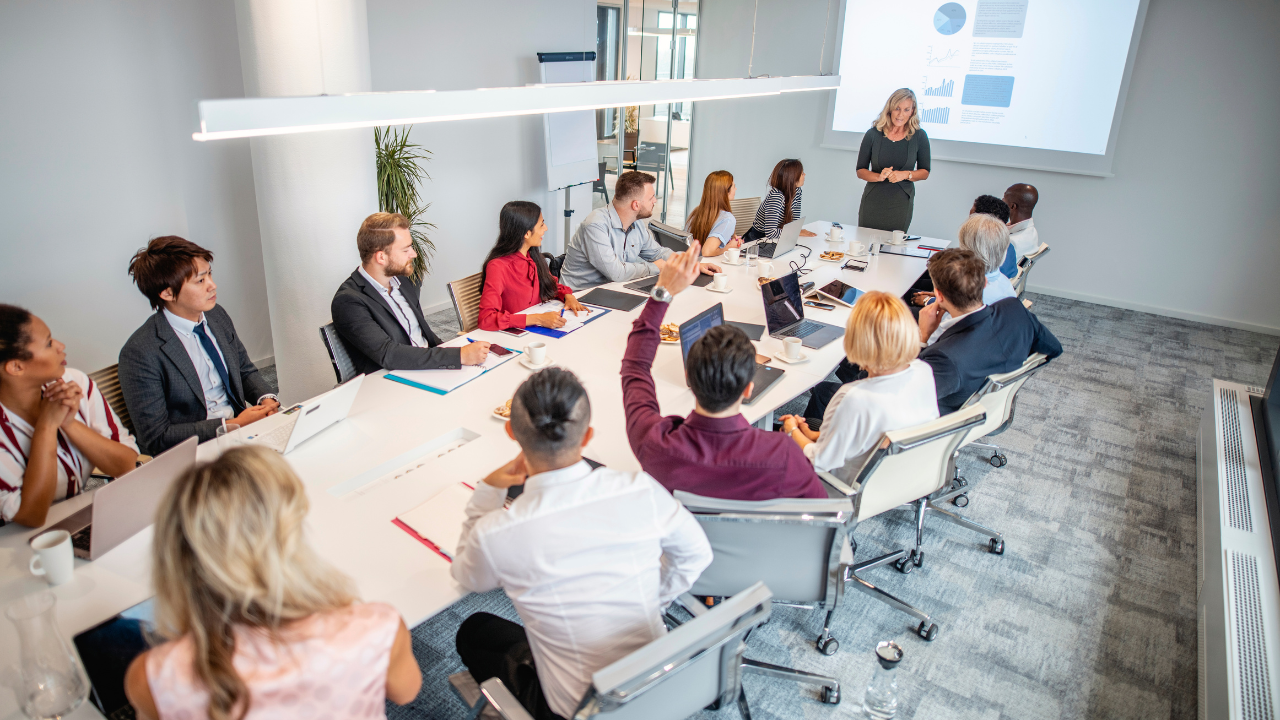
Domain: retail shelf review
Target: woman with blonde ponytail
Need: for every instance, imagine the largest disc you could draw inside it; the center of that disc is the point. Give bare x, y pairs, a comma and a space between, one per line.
257, 624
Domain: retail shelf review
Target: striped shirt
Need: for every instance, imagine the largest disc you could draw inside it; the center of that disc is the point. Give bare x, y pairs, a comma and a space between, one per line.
73, 467
769, 215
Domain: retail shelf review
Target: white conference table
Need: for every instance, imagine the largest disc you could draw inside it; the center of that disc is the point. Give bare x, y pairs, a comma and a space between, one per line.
353, 529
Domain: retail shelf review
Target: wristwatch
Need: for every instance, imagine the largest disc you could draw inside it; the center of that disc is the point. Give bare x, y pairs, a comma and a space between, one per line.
660, 294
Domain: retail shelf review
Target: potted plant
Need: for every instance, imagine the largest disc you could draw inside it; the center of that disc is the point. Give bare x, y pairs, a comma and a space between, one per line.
400, 171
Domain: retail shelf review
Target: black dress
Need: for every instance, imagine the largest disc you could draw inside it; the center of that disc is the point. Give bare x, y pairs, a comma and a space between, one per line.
886, 205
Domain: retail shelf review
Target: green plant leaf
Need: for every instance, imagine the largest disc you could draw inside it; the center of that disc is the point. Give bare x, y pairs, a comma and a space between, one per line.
400, 173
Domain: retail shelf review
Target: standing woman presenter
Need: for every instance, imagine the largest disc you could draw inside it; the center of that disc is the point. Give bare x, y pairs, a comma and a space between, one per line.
894, 157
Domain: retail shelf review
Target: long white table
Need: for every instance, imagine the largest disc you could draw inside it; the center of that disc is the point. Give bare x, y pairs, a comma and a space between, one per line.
355, 531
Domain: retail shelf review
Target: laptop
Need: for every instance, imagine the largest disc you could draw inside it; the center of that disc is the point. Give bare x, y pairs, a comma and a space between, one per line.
696, 327
106, 650
784, 314
285, 431
787, 240
644, 285
124, 507
670, 237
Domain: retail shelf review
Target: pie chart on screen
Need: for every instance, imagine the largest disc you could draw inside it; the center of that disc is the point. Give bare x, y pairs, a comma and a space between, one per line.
949, 18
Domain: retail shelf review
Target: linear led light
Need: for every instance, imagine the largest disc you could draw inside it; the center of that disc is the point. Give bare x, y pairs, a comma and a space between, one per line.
256, 117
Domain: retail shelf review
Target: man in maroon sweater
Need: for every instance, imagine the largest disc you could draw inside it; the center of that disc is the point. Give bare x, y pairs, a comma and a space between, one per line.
714, 451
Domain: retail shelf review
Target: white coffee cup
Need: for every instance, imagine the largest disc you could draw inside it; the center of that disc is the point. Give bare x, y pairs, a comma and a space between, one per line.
898, 236
766, 268
536, 352
857, 248
719, 281
53, 558
837, 234
791, 348
732, 254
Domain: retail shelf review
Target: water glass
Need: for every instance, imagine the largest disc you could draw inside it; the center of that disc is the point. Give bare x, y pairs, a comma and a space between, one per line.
753, 255
228, 436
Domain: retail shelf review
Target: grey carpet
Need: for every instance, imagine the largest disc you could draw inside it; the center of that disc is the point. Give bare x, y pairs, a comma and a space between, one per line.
1091, 611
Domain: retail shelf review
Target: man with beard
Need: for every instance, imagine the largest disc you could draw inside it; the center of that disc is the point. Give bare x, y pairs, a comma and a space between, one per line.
378, 312
614, 243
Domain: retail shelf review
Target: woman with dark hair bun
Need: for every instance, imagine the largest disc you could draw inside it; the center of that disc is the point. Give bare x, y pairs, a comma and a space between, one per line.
55, 425
516, 276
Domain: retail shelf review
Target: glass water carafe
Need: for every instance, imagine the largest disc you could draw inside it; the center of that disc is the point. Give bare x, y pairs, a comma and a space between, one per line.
52, 681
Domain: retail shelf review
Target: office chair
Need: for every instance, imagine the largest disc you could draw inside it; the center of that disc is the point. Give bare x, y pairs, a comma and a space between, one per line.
555, 263
699, 663
906, 468
791, 545
744, 212
598, 186
465, 294
108, 381
339, 353
652, 158
1024, 268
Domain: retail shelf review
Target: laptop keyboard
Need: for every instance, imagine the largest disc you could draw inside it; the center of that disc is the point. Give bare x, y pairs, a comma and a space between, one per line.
801, 330
125, 713
278, 438
767, 249
80, 540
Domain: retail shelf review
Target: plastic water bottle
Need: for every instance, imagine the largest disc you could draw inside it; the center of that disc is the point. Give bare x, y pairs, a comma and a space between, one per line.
881, 699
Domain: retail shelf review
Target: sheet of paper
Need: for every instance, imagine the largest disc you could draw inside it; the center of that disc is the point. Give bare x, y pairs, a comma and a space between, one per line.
447, 380
572, 320
440, 518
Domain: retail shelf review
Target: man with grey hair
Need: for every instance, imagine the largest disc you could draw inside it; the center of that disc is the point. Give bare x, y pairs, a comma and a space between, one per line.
988, 238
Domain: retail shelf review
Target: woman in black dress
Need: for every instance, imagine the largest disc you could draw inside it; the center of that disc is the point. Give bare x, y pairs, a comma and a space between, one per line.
894, 157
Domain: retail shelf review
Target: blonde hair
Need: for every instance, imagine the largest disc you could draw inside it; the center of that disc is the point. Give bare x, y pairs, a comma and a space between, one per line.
881, 335
987, 237
715, 197
885, 121
229, 551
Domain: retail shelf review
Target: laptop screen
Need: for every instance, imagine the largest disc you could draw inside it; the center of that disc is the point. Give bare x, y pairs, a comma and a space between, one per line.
107, 649
698, 326
782, 305
669, 237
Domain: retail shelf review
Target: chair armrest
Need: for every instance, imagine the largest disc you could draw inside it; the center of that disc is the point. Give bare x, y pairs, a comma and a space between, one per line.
836, 483
497, 695
691, 604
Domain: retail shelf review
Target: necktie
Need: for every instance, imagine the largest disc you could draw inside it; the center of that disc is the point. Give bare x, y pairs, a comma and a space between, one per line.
212, 351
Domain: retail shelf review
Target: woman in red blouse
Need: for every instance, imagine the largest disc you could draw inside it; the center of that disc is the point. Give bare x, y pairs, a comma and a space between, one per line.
515, 275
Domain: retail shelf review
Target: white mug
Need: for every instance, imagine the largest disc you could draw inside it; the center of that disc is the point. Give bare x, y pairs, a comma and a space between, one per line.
898, 236
857, 248
837, 234
719, 281
732, 254
53, 556
791, 347
766, 268
536, 352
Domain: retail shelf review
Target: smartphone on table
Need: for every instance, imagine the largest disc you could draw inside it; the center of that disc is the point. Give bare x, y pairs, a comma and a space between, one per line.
518, 332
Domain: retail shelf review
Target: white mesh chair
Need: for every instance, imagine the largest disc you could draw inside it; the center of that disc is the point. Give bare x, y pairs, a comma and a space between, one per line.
744, 213
339, 354
908, 466
1027, 262
697, 664
465, 294
791, 545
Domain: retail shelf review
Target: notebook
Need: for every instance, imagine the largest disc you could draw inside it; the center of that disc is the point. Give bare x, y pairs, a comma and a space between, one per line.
572, 321
613, 299
442, 382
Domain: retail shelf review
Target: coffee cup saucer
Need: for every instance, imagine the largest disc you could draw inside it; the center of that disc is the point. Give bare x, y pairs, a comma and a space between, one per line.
725, 291
783, 357
725, 261
546, 363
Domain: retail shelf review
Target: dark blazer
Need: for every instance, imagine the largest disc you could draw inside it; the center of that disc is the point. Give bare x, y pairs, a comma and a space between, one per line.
161, 388
996, 339
376, 338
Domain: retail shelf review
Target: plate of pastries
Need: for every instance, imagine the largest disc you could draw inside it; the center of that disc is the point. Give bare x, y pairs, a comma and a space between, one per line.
669, 333
831, 256
503, 411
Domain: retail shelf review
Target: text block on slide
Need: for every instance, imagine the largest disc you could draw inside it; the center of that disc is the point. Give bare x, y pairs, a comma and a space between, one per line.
987, 90
1000, 18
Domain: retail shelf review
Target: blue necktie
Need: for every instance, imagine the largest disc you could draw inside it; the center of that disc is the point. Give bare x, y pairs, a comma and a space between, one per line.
212, 351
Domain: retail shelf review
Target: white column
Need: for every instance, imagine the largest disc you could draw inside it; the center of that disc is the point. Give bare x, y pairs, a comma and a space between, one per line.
313, 189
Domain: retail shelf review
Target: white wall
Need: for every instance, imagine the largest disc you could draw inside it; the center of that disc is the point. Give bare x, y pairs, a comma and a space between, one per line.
96, 158
1188, 227
477, 165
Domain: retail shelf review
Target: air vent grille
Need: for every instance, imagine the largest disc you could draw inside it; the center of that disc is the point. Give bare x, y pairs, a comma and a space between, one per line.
1239, 514
1251, 649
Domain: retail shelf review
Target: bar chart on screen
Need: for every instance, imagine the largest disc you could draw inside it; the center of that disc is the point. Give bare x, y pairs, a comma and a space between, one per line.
942, 89
939, 115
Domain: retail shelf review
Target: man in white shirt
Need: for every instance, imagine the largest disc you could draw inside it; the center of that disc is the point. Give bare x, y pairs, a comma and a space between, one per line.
588, 557
1021, 199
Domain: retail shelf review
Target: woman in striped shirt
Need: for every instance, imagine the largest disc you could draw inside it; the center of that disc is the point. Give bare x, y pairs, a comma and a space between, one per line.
781, 204
55, 425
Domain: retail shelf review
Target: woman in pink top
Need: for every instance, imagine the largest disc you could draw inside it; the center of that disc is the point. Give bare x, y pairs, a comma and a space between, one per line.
259, 625
515, 275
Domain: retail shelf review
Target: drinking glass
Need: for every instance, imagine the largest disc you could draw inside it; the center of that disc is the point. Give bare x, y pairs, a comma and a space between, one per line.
753, 254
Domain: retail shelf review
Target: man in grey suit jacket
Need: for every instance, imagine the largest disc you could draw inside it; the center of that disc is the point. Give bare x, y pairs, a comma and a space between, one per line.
185, 371
377, 310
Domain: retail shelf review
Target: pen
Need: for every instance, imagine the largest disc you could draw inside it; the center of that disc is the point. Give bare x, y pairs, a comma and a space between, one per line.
929, 247
561, 312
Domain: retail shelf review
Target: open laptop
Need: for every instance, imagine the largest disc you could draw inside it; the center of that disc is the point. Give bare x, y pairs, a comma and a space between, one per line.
287, 430
698, 326
670, 237
106, 650
123, 507
787, 240
784, 314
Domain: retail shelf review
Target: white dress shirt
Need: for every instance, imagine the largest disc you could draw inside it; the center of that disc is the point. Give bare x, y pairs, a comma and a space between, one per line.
400, 308
217, 402
589, 558
1023, 237
862, 411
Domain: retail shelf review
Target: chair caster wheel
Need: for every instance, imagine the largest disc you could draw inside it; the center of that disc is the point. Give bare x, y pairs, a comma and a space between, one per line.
998, 460
828, 646
917, 558
957, 483
904, 565
928, 632
830, 697
996, 546
960, 500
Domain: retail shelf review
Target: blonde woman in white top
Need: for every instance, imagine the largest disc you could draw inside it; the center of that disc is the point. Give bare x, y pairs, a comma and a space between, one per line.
882, 338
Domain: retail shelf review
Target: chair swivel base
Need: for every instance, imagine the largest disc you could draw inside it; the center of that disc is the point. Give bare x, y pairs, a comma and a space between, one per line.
830, 692
927, 629
995, 542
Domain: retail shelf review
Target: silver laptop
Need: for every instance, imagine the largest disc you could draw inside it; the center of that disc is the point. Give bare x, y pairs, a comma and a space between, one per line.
787, 240
670, 237
125, 506
287, 430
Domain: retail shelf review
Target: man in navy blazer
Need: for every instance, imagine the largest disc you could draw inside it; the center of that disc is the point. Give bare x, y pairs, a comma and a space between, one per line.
977, 340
